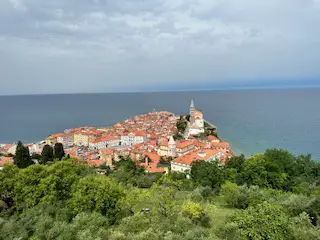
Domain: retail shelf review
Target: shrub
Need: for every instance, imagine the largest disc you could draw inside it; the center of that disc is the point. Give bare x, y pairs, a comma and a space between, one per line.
264, 221
297, 204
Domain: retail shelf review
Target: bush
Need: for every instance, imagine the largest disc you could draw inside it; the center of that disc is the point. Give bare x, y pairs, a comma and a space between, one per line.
230, 231
195, 212
229, 191
296, 204
303, 229
196, 195
242, 196
207, 192
264, 221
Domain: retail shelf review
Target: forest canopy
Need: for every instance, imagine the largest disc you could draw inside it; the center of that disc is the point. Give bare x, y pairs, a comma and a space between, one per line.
274, 195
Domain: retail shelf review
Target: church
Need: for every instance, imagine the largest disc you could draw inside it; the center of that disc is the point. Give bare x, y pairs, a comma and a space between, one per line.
196, 123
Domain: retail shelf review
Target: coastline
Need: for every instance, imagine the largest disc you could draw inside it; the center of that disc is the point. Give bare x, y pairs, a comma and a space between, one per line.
252, 120
155, 135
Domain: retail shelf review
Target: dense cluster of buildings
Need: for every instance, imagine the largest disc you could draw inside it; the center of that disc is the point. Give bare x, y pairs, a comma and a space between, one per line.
147, 139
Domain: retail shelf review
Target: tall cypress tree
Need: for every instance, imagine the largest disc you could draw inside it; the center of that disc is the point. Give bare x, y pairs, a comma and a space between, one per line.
22, 158
59, 151
46, 154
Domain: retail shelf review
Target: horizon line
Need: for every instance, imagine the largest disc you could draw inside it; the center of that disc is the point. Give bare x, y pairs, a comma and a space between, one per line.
164, 91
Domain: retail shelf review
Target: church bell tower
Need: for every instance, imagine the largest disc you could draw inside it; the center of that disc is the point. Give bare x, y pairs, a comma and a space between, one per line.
192, 112
172, 147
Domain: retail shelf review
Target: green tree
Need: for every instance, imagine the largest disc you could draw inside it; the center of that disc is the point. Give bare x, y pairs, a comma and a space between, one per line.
55, 222
303, 229
36, 156
207, 173
181, 126
97, 194
236, 162
229, 191
39, 184
59, 151
264, 221
22, 157
163, 196
129, 172
263, 172
61, 176
27, 188
297, 204
7, 183
47, 154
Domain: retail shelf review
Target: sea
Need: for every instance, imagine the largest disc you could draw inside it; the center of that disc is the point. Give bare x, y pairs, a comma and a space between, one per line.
251, 120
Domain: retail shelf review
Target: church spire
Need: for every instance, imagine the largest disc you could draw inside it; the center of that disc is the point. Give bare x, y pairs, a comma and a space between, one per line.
192, 104
192, 112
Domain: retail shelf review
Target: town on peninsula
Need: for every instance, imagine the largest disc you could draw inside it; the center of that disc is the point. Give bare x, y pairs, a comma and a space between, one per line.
155, 176
158, 141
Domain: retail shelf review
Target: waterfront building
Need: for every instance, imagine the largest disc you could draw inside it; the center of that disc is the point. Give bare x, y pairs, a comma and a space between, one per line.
65, 139
81, 139
51, 140
196, 122
213, 139
221, 146
35, 147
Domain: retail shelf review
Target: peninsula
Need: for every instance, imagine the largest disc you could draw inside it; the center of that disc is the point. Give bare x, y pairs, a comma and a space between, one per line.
159, 141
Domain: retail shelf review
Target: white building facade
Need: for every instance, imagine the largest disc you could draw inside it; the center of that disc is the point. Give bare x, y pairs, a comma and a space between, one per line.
133, 138
196, 124
104, 143
66, 140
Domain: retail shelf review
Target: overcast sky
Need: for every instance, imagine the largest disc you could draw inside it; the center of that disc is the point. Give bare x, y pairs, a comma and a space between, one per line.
69, 46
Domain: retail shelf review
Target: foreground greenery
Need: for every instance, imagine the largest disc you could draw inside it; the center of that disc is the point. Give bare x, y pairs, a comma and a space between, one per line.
274, 195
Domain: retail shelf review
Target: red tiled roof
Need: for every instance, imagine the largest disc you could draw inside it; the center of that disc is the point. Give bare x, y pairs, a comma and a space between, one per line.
95, 163
72, 152
184, 143
220, 145
7, 146
104, 138
152, 143
155, 158
164, 144
107, 152
5, 160
195, 156
59, 135
212, 138
200, 144
152, 167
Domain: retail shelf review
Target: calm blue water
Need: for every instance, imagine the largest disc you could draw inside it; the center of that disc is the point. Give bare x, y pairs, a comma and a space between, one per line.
252, 120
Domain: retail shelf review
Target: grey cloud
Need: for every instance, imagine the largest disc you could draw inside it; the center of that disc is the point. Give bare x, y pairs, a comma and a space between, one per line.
123, 45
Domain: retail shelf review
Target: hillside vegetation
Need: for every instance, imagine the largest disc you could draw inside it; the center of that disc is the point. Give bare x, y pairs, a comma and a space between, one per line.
274, 195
